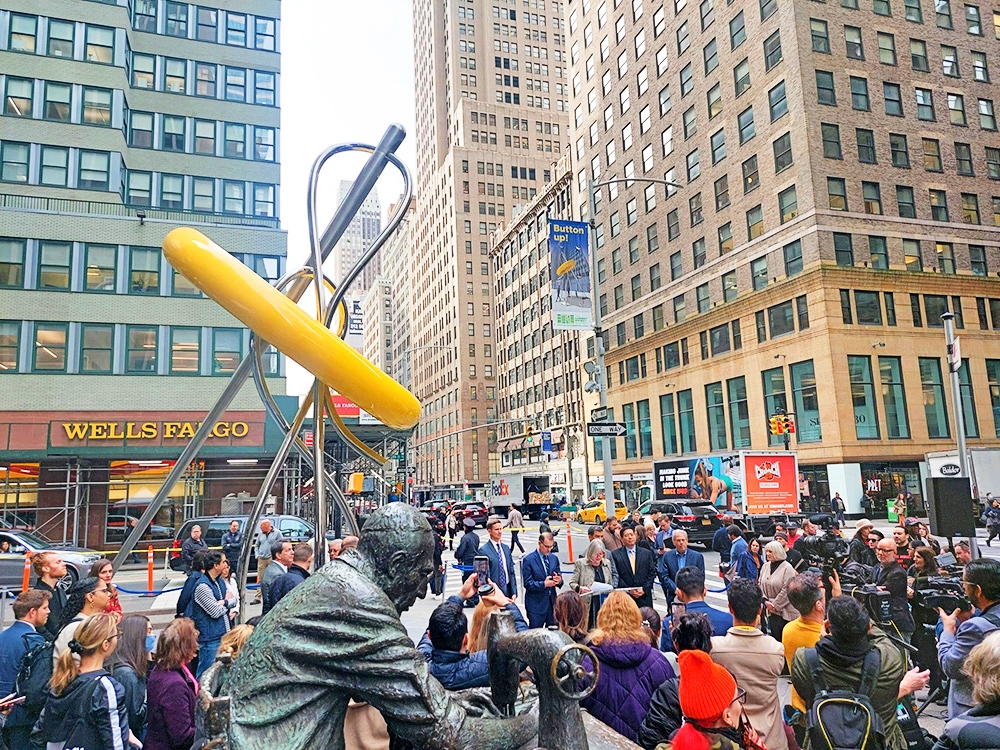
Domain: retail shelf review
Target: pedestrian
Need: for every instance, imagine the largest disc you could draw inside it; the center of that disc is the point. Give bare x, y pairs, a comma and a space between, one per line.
185, 601
750, 562
466, 553
298, 571
515, 522
350, 542
861, 552
594, 567
867, 505
712, 705
88, 596
452, 524
541, 577
267, 537
105, 570
611, 538
438, 577
636, 569
992, 518
774, 578
85, 707
50, 570
722, 543
737, 546
191, 546
543, 526
130, 667
232, 543
570, 613
924, 533
631, 669
663, 539
839, 507
501, 561
691, 592
31, 611
679, 556
172, 691
646, 536
979, 728
890, 575
211, 610
282, 554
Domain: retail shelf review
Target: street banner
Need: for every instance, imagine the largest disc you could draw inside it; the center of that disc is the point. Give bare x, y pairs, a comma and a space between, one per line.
570, 275
714, 479
770, 482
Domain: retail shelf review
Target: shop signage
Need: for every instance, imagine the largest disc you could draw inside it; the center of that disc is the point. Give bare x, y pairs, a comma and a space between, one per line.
950, 470
149, 430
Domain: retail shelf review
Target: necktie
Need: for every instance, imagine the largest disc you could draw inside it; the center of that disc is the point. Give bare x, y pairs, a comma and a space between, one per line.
545, 565
502, 571
631, 558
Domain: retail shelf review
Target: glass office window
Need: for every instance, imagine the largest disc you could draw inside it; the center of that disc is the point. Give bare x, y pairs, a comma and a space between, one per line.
645, 429
140, 356
739, 412
101, 261
716, 408
185, 350
993, 376
968, 401
144, 270
10, 344
227, 350
668, 423
863, 397
97, 345
50, 347
775, 399
897, 424
935, 408
806, 402
685, 408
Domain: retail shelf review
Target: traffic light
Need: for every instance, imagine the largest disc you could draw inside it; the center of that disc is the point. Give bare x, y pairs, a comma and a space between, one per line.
775, 423
789, 424
529, 432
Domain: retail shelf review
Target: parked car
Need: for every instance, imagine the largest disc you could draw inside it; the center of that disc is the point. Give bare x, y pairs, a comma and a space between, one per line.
119, 527
699, 520
474, 510
595, 512
78, 559
293, 528
435, 508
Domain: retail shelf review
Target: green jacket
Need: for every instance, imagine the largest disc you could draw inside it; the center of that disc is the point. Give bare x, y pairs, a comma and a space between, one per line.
848, 677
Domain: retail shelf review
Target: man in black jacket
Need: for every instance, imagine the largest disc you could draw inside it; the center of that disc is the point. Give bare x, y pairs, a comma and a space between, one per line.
298, 571
636, 569
232, 544
50, 569
466, 553
889, 575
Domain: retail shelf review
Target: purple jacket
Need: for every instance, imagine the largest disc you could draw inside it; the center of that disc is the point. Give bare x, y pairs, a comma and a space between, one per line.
630, 674
170, 703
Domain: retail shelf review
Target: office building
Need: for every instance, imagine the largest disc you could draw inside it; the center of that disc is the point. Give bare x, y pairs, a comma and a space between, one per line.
377, 314
121, 121
836, 166
492, 97
397, 270
359, 236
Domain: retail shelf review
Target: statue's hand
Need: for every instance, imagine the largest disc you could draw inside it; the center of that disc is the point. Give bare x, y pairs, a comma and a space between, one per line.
476, 703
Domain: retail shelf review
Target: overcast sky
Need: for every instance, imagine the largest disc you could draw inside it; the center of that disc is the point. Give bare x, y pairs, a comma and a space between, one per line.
347, 74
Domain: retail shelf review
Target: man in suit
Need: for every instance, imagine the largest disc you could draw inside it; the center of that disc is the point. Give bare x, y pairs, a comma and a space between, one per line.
890, 576
540, 576
636, 569
691, 593
681, 556
501, 561
31, 611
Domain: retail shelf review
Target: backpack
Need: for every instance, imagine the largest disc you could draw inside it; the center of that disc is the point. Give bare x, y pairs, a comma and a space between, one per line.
34, 673
842, 719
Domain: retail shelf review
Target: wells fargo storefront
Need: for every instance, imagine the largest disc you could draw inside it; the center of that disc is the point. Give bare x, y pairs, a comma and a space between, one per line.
79, 477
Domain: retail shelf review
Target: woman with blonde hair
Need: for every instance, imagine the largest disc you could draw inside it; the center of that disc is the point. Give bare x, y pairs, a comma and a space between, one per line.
233, 641
631, 669
172, 690
86, 707
775, 574
594, 567
979, 727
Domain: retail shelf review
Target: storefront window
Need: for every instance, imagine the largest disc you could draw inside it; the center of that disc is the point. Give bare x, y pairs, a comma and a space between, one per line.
685, 407
774, 399
668, 424
806, 401
739, 412
645, 429
893, 397
968, 401
628, 417
716, 409
935, 409
863, 397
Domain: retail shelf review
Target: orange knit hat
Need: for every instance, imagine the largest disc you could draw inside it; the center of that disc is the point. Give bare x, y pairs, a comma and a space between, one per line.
706, 688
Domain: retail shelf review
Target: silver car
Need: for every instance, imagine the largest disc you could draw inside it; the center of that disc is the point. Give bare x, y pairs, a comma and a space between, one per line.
14, 543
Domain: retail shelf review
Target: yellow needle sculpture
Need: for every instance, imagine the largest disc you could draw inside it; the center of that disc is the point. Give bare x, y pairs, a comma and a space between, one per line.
279, 321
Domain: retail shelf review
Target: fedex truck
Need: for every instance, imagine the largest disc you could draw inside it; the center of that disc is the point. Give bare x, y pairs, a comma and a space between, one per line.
530, 492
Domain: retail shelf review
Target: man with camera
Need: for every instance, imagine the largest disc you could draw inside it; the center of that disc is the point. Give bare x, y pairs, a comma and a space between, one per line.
889, 575
962, 631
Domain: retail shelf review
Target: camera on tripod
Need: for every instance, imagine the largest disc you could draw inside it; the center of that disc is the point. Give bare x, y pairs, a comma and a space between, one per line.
875, 601
944, 592
825, 550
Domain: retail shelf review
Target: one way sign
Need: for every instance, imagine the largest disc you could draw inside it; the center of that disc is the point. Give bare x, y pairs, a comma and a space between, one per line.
610, 429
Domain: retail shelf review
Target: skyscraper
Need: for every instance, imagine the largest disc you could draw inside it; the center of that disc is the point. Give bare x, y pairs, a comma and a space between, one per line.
491, 98
358, 237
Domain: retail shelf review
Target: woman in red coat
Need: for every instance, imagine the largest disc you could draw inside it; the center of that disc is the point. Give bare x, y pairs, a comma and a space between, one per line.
172, 690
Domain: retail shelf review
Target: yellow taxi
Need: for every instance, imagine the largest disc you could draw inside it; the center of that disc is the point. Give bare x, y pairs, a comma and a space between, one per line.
595, 512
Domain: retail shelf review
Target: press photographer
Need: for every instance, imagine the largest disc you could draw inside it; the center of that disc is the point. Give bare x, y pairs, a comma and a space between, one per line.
962, 632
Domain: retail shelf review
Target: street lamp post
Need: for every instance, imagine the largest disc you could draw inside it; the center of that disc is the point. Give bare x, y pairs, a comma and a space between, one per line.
954, 364
592, 188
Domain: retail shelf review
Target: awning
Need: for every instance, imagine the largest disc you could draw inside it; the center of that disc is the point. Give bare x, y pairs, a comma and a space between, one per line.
557, 436
502, 445
515, 444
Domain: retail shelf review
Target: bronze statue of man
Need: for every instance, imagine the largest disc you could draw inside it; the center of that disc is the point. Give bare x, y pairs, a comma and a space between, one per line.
338, 636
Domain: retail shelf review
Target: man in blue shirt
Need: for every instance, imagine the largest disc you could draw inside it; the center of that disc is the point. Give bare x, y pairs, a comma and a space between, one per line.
31, 610
664, 537
691, 592
737, 544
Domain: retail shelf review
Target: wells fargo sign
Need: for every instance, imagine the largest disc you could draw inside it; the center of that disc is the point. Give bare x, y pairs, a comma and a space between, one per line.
149, 430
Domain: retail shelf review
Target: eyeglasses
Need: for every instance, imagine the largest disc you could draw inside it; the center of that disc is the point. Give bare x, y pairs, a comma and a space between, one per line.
883, 549
741, 697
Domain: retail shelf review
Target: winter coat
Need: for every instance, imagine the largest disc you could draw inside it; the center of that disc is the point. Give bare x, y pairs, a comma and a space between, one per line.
468, 548
90, 714
287, 582
748, 565
170, 703
775, 587
631, 671
135, 697
977, 729
664, 716
862, 553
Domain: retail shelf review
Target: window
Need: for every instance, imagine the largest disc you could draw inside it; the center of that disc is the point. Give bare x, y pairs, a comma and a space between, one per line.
852, 38
946, 257
746, 125
977, 259
913, 259
12, 263
236, 29
680, 311
777, 101
863, 398
101, 262
932, 155
758, 273
737, 31
893, 99
781, 319
939, 205
100, 45
668, 424
19, 97
868, 306
23, 33
774, 397
236, 84
878, 252
820, 35
264, 88
173, 133
905, 201
772, 50
235, 143
264, 144
57, 102
636, 284
935, 305
693, 166
685, 408
716, 416
55, 166
956, 109
54, 264
886, 48
968, 401
970, 208
172, 191
14, 161
987, 120
60, 38
949, 61
144, 15
935, 409
899, 150
175, 75
10, 335
836, 190
205, 76
207, 24
843, 248
702, 297
993, 375
710, 54
912, 11
141, 353
893, 397
227, 350
805, 401
793, 258
751, 176
755, 223
50, 347
831, 140
140, 188
729, 289
741, 75
825, 92
721, 192
96, 348
714, 97
718, 146
94, 166
980, 68
184, 351
963, 159
264, 37
942, 13
788, 205
143, 71
918, 55
973, 22
866, 146
698, 252
859, 94
97, 106
144, 270
872, 194
683, 39
846, 312
726, 238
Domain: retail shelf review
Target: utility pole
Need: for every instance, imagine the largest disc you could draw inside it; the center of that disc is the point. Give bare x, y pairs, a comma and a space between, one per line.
954, 365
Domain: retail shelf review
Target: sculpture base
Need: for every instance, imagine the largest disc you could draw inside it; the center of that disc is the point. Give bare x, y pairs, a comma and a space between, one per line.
602, 737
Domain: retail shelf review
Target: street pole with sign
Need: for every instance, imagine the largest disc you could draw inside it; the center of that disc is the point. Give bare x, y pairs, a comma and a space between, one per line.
954, 365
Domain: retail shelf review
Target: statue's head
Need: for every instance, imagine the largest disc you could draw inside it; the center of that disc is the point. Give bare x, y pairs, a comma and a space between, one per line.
398, 543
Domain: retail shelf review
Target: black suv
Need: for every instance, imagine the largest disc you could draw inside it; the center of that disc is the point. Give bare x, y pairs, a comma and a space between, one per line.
293, 528
699, 520
474, 510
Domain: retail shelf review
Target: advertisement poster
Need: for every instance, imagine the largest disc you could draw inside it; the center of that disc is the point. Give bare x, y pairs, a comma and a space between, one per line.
570, 276
714, 479
770, 483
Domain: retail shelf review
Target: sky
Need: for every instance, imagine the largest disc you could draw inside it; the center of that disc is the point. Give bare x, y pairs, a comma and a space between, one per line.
346, 75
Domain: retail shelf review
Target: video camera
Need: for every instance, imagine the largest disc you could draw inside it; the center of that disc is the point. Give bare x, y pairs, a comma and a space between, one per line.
873, 600
825, 549
944, 592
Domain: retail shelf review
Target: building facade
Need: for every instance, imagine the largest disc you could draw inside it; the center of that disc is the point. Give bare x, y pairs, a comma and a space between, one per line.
357, 238
377, 313
539, 379
835, 168
120, 122
491, 103
397, 269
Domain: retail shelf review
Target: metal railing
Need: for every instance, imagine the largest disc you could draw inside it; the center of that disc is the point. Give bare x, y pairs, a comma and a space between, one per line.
98, 208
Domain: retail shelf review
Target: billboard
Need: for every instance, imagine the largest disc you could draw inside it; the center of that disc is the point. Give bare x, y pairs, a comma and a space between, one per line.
572, 306
715, 479
770, 482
